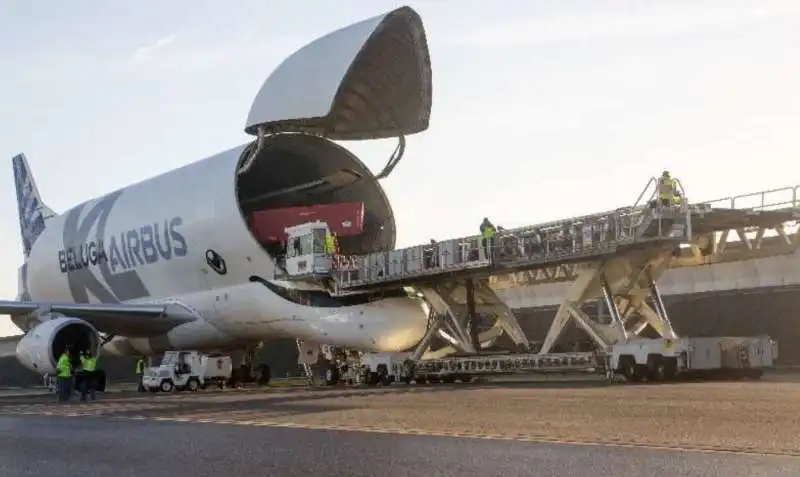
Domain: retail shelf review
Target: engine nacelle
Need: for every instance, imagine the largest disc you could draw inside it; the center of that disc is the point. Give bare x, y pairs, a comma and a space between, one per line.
40, 348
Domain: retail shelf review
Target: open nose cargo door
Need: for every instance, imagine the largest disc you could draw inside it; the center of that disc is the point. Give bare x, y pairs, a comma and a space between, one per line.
369, 80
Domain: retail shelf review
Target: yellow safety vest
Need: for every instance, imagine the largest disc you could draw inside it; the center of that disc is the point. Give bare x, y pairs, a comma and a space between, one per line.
64, 367
330, 244
488, 232
140, 366
89, 364
667, 186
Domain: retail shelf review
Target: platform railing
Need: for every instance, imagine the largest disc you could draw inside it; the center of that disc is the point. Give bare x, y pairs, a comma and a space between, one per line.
652, 185
772, 199
545, 244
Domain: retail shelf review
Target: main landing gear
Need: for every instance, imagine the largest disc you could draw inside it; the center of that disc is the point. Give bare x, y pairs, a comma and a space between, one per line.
249, 371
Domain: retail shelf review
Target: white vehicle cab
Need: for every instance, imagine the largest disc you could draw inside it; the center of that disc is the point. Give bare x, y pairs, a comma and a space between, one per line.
188, 370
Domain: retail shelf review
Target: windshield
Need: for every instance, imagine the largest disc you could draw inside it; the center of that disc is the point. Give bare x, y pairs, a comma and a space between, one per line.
319, 240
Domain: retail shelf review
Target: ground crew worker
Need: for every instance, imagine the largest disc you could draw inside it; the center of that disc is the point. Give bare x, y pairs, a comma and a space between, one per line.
487, 233
330, 243
140, 373
430, 255
668, 190
88, 383
64, 376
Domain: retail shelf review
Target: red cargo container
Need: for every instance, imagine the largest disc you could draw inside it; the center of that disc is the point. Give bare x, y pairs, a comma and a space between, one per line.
345, 219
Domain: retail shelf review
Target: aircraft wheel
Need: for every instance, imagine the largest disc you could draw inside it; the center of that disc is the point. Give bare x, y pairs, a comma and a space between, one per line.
373, 379
264, 374
332, 376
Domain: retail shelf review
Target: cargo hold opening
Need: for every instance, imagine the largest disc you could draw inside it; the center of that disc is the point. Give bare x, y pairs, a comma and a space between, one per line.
294, 170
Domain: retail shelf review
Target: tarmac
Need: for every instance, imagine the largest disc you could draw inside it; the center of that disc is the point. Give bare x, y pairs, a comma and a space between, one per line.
688, 429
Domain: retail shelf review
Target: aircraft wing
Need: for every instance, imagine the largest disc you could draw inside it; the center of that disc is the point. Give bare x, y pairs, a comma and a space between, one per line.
129, 320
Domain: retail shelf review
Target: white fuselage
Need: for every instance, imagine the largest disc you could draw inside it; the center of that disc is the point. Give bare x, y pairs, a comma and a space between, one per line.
147, 243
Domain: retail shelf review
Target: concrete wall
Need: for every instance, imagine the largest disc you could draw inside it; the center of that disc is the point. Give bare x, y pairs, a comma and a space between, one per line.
765, 273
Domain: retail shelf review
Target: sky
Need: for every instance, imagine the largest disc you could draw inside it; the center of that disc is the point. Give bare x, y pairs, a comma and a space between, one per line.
541, 110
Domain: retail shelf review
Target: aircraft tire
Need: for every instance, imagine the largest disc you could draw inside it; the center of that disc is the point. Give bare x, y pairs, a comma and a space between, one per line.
264, 374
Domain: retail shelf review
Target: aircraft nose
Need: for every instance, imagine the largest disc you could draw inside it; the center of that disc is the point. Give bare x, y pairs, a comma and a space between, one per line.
401, 324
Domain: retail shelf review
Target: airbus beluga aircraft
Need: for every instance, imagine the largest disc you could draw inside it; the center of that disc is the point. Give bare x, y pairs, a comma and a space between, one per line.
173, 262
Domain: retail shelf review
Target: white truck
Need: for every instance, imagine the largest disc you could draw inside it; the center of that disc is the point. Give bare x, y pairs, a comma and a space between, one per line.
188, 370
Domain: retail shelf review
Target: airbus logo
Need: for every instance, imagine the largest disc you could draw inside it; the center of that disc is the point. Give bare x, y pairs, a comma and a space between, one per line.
129, 249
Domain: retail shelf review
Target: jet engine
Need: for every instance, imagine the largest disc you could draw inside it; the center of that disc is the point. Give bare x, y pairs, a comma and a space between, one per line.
40, 348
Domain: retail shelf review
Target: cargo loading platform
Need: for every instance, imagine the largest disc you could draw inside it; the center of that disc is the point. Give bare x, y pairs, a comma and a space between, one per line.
617, 258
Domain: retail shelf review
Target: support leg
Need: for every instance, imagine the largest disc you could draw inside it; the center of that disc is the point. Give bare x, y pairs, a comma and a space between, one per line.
451, 326
622, 282
455, 308
472, 318
433, 329
660, 309
505, 322
613, 310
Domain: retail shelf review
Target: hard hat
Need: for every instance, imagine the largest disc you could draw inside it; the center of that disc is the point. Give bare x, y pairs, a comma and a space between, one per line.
665, 173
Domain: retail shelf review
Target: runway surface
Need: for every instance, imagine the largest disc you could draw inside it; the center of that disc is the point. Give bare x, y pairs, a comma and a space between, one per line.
356, 433
40, 446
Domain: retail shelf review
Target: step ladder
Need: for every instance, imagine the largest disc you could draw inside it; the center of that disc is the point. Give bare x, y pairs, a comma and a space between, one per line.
309, 373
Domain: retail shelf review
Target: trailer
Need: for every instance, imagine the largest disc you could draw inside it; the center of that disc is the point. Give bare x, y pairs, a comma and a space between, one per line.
376, 369
669, 359
637, 360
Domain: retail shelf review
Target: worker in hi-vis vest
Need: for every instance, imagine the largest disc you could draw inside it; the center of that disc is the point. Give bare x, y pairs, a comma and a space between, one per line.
668, 193
140, 365
330, 243
88, 376
64, 376
487, 233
